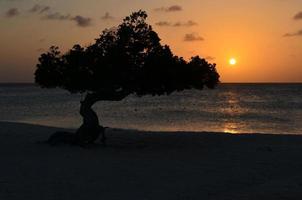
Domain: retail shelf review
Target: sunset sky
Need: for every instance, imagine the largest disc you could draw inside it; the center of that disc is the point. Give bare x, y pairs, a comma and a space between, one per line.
264, 36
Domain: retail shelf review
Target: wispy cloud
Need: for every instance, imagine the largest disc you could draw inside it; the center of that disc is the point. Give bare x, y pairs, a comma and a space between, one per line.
39, 9
40, 50
210, 58
107, 16
163, 23
57, 16
82, 21
176, 24
46, 13
42, 40
173, 8
9, 0
298, 16
12, 12
298, 33
188, 23
192, 37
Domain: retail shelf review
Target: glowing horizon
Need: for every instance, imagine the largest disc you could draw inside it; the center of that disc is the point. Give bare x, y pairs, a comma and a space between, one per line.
264, 38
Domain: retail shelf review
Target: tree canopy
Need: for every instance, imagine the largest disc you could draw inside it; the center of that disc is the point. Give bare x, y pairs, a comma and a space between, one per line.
125, 60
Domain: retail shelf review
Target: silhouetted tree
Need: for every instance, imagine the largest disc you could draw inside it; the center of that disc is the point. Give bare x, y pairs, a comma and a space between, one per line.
126, 60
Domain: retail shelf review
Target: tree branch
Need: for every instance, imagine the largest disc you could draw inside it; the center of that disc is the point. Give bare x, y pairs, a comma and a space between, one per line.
93, 97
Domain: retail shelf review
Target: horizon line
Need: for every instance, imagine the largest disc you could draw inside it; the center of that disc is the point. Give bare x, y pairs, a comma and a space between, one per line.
279, 82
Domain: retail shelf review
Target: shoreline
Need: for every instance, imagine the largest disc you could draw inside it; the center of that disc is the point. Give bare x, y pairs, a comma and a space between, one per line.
154, 132
150, 165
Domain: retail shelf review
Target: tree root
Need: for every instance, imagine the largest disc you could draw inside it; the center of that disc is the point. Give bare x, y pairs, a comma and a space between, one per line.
79, 138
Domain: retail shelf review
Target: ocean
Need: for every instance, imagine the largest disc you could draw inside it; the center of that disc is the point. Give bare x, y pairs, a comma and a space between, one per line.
232, 108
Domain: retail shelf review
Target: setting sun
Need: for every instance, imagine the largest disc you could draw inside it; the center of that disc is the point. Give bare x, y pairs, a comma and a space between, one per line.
232, 61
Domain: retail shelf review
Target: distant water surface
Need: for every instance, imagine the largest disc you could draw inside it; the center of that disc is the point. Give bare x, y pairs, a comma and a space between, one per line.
234, 108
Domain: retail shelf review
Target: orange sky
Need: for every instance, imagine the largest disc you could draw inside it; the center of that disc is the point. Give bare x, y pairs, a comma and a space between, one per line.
250, 31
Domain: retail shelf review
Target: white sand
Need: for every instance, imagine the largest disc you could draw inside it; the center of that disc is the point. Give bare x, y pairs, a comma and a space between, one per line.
143, 166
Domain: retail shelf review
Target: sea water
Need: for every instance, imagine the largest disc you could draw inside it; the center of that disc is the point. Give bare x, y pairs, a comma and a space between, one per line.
232, 108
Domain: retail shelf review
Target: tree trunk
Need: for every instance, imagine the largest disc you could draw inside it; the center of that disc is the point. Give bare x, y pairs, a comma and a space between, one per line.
90, 129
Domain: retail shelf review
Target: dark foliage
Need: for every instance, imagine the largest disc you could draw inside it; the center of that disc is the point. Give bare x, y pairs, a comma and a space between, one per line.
122, 61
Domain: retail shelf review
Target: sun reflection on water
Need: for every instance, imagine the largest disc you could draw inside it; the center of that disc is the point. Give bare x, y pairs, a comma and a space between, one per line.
233, 111
231, 128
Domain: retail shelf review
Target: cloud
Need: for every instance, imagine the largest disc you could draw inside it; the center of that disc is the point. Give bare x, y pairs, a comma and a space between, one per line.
210, 58
57, 16
45, 9
188, 23
191, 37
191, 23
107, 16
298, 16
39, 9
40, 50
176, 24
298, 33
35, 8
163, 23
82, 21
173, 8
12, 12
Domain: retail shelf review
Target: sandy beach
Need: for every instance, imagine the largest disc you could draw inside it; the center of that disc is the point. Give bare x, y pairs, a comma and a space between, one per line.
149, 165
